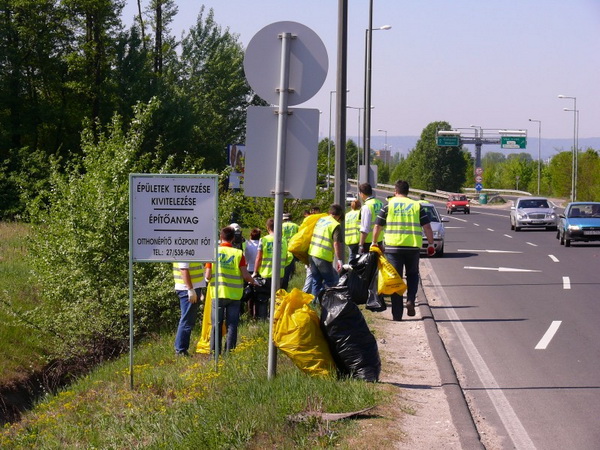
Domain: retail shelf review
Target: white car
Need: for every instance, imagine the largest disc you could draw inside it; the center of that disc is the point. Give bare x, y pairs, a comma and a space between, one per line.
533, 212
439, 232
350, 197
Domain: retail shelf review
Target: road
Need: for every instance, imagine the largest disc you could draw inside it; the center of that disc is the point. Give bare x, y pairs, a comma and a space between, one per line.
519, 315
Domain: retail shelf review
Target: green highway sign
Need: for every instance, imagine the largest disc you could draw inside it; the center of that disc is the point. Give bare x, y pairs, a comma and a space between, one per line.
448, 141
513, 142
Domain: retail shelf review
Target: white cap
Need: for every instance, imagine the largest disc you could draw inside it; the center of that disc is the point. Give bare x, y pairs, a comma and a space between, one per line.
235, 227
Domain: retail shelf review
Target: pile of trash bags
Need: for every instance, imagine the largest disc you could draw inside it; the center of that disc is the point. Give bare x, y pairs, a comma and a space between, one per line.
339, 338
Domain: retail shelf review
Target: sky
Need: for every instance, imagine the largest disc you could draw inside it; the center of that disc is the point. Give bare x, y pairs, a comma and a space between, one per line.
493, 64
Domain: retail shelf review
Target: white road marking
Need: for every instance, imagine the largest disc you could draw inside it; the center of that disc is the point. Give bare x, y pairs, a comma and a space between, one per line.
553, 258
448, 228
501, 269
566, 283
548, 335
532, 244
515, 429
487, 251
490, 229
508, 236
460, 220
476, 224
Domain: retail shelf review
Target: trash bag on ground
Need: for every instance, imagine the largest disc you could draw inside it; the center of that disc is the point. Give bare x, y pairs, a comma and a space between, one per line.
357, 276
353, 346
297, 333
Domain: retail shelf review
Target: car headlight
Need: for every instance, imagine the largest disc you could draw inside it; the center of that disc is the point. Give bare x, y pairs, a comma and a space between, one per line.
553, 216
521, 216
436, 234
574, 227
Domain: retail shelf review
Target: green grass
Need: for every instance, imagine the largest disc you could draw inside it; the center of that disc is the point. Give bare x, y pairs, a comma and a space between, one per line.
22, 350
188, 403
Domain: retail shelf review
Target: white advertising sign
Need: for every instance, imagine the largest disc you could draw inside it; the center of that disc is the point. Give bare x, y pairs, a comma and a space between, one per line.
173, 217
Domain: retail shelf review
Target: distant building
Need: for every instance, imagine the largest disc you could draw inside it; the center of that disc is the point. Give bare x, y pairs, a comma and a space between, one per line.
384, 155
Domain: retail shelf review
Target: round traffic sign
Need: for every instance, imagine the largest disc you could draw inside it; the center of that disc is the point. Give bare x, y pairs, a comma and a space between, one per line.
478, 171
308, 62
478, 179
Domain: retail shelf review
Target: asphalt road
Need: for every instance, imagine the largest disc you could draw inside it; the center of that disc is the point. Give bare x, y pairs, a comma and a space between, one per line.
519, 316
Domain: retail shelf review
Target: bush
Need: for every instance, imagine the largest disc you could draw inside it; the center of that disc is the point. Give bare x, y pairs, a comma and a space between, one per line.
80, 247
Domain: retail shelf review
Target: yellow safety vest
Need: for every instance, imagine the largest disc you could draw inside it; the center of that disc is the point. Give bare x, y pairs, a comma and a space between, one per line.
289, 229
375, 206
266, 267
352, 227
403, 227
321, 243
196, 273
231, 284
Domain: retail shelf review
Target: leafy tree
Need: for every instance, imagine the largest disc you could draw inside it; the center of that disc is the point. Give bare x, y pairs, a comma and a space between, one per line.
436, 167
80, 247
588, 169
559, 170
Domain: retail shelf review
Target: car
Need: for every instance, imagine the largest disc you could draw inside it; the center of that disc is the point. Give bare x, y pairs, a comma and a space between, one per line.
579, 223
458, 202
437, 226
350, 197
533, 212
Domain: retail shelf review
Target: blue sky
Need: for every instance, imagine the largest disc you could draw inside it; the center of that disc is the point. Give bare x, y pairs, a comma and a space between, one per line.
490, 63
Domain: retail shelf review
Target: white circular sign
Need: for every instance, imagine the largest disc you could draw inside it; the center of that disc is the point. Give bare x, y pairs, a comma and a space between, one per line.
478, 179
478, 171
308, 62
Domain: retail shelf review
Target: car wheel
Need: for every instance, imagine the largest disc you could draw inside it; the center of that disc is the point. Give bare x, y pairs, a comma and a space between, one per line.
567, 242
469, 212
517, 228
512, 227
465, 212
439, 253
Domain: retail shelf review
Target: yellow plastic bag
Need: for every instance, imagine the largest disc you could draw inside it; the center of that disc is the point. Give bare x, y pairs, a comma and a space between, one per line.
389, 281
300, 242
297, 333
203, 345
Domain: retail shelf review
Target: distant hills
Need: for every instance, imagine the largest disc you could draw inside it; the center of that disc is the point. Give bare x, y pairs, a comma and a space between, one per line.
549, 147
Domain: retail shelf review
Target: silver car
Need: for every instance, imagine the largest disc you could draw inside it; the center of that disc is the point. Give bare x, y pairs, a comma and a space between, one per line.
439, 232
533, 212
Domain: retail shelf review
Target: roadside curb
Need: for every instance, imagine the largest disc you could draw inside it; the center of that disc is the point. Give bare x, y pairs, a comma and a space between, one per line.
459, 409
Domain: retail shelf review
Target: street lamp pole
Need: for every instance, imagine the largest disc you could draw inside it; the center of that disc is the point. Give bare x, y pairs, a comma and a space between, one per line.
367, 103
539, 122
329, 140
574, 157
359, 109
384, 131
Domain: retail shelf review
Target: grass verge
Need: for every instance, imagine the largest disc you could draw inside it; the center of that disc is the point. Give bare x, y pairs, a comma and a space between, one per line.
189, 403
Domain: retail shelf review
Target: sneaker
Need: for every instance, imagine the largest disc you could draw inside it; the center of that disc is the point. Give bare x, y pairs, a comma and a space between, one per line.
182, 353
410, 308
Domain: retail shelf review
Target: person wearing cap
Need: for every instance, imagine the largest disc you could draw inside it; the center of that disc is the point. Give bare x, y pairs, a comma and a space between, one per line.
189, 286
404, 220
288, 229
325, 250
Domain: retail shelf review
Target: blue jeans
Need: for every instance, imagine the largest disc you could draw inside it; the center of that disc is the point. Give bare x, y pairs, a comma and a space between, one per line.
189, 311
228, 310
402, 259
323, 275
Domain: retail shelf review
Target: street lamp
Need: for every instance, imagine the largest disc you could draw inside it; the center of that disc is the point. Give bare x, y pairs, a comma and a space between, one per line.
359, 109
574, 158
384, 131
367, 102
576, 111
539, 122
329, 141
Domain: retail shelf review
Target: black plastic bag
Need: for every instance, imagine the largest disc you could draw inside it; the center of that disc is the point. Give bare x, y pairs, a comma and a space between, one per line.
353, 346
357, 276
375, 301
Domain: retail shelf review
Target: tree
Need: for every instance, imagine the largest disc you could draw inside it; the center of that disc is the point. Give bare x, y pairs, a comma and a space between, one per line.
436, 167
588, 182
559, 170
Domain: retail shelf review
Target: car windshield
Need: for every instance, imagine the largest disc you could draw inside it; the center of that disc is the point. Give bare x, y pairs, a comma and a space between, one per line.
431, 213
533, 204
585, 210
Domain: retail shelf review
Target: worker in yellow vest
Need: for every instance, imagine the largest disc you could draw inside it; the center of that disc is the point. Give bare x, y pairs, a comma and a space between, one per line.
288, 229
368, 214
232, 272
264, 265
189, 286
325, 250
352, 229
404, 220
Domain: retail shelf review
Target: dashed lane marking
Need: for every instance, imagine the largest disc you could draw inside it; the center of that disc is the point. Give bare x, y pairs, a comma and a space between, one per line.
566, 283
553, 258
543, 344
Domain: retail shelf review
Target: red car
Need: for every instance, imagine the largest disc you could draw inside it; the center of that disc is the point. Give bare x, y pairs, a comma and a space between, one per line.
458, 202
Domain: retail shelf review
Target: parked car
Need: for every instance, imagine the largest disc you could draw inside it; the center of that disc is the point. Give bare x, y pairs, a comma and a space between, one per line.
458, 202
580, 223
439, 233
533, 212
